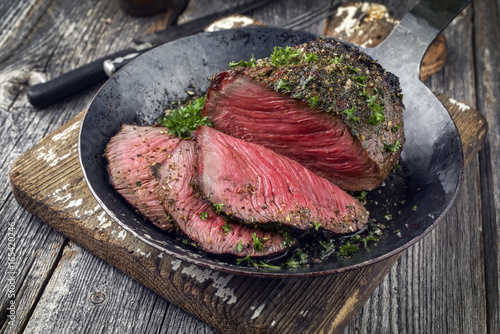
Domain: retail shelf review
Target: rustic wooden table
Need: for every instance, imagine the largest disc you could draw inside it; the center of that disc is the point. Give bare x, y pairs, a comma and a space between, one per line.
446, 283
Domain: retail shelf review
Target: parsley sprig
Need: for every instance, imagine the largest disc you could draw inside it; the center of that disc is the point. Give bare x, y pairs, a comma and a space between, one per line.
186, 119
285, 56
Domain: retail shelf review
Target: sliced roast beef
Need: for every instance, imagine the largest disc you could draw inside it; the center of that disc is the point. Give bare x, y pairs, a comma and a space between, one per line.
331, 108
257, 185
133, 154
200, 221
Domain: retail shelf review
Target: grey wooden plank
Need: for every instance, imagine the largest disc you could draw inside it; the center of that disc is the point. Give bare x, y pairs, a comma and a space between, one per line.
84, 287
409, 310
487, 53
437, 285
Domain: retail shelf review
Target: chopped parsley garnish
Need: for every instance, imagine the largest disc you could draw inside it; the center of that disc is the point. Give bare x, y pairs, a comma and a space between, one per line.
227, 228
396, 167
392, 147
350, 114
239, 247
257, 242
297, 259
362, 196
204, 215
310, 57
218, 207
327, 247
283, 84
370, 237
338, 60
360, 80
246, 260
377, 116
308, 79
347, 249
353, 69
313, 101
243, 63
184, 120
285, 56
316, 225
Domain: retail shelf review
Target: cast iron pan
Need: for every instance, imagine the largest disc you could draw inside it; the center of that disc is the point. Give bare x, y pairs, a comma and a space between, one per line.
432, 159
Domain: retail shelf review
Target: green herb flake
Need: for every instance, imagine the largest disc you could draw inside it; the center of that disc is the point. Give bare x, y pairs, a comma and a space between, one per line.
285, 56
308, 79
377, 117
396, 167
362, 196
388, 217
353, 69
338, 60
350, 114
243, 63
239, 247
283, 84
392, 147
365, 240
414, 208
316, 225
263, 264
204, 215
218, 208
257, 242
227, 228
310, 57
347, 249
395, 128
246, 261
313, 101
360, 80
296, 260
138, 184
184, 120
327, 247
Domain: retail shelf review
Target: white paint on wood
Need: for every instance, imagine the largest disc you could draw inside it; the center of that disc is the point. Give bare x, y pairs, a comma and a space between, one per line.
67, 133
460, 105
58, 194
74, 203
122, 234
258, 311
52, 157
175, 263
103, 221
219, 282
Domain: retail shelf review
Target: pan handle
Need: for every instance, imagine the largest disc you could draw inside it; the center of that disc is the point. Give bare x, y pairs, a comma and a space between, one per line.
411, 38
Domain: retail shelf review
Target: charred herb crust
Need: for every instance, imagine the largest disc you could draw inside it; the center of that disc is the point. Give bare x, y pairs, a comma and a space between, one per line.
342, 81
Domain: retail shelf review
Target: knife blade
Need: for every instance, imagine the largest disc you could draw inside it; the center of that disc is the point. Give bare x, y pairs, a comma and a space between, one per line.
47, 93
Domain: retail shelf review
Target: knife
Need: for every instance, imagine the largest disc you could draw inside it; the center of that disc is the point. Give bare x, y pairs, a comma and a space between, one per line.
47, 93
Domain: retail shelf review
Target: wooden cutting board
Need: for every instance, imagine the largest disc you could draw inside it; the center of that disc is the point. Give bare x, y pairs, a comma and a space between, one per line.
48, 181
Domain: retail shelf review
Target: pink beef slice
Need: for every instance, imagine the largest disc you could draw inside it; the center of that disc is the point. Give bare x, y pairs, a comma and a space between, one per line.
133, 154
199, 220
257, 185
316, 112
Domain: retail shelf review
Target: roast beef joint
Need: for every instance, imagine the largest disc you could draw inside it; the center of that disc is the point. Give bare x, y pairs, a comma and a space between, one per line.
272, 155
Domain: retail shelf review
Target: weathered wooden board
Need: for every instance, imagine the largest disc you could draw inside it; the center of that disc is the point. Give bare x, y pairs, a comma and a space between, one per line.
228, 303
49, 183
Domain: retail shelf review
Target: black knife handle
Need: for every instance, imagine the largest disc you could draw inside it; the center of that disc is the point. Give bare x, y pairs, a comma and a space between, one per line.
44, 94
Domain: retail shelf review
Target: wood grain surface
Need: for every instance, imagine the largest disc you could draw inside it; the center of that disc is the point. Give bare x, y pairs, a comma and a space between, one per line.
49, 183
446, 283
